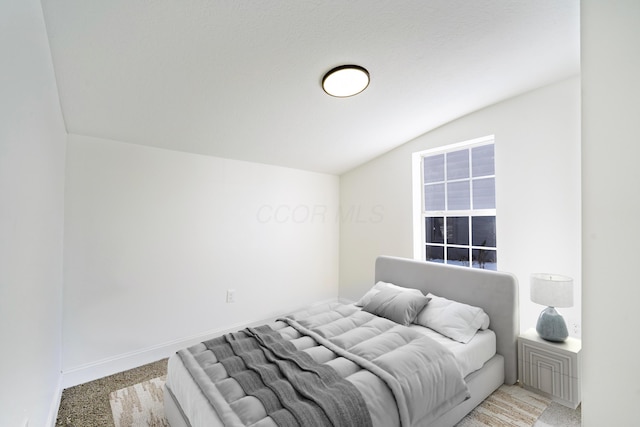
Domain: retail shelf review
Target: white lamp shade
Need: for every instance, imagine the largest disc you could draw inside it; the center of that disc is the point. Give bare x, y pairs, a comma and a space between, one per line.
552, 290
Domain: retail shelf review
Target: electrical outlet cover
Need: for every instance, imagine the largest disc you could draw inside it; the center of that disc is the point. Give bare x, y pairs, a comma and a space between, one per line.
231, 295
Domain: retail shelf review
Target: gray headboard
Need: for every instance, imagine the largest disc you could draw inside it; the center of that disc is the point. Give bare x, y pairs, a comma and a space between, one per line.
495, 292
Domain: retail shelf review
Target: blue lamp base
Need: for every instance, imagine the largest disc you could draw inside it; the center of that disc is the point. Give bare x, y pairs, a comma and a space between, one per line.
551, 326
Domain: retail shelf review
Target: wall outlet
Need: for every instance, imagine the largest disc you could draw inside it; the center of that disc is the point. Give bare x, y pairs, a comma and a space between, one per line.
231, 295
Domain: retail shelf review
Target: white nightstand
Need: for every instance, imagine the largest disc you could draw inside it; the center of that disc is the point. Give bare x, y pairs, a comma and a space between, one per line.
551, 369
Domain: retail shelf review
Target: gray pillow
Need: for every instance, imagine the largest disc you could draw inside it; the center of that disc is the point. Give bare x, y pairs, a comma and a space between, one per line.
401, 307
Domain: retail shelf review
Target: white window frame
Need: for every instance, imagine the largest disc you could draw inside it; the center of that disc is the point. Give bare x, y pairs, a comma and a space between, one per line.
419, 214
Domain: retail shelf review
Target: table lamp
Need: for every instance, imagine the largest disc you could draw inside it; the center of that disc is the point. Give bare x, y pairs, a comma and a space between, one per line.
552, 290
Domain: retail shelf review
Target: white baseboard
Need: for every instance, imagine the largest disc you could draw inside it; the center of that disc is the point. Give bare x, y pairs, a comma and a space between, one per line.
123, 362
55, 404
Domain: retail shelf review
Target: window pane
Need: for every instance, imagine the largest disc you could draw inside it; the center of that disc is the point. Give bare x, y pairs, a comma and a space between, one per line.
433, 168
458, 256
483, 230
459, 186
484, 193
485, 258
434, 229
458, 196
458, 165
458, 230
434, 197
482, 160
435, 253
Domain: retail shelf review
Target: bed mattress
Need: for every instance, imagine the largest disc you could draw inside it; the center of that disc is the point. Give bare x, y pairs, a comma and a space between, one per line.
197, 408
471, 356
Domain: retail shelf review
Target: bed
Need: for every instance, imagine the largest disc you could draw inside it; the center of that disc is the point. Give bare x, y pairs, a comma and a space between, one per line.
190, 400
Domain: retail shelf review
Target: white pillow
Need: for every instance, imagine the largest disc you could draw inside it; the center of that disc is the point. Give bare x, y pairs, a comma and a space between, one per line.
366, 298
453, 319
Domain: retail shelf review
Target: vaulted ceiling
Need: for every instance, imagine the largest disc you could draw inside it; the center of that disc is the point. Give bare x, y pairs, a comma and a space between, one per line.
241, 78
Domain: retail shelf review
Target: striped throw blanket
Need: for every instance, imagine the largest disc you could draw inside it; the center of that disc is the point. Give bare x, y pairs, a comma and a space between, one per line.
294, 389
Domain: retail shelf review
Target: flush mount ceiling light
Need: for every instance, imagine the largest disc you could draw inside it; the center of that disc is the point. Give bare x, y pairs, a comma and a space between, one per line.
345, 80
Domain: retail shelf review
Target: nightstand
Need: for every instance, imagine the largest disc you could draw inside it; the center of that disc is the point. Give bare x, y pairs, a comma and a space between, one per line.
549, 368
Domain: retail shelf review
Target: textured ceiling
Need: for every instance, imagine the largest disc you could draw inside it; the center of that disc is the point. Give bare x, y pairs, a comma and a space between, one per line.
241, 78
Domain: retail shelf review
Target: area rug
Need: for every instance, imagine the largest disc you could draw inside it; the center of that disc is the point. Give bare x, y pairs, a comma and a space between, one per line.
140, 405
510, 406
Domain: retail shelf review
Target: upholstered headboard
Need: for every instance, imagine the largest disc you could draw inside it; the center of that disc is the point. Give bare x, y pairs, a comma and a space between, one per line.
495, 292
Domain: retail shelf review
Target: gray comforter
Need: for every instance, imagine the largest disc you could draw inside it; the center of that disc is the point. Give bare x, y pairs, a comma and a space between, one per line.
405, 378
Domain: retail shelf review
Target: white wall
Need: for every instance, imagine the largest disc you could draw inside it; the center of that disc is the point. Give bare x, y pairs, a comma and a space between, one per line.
32, 145
611, 231
154, 238
537, 137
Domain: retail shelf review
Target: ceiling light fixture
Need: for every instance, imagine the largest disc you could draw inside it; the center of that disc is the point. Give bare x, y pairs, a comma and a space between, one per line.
345, 81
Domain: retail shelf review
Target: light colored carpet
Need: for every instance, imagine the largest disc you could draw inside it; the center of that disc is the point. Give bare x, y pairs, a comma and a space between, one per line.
510, 406
87, 405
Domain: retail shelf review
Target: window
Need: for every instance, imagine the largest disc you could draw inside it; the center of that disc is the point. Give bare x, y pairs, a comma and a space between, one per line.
455, 219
